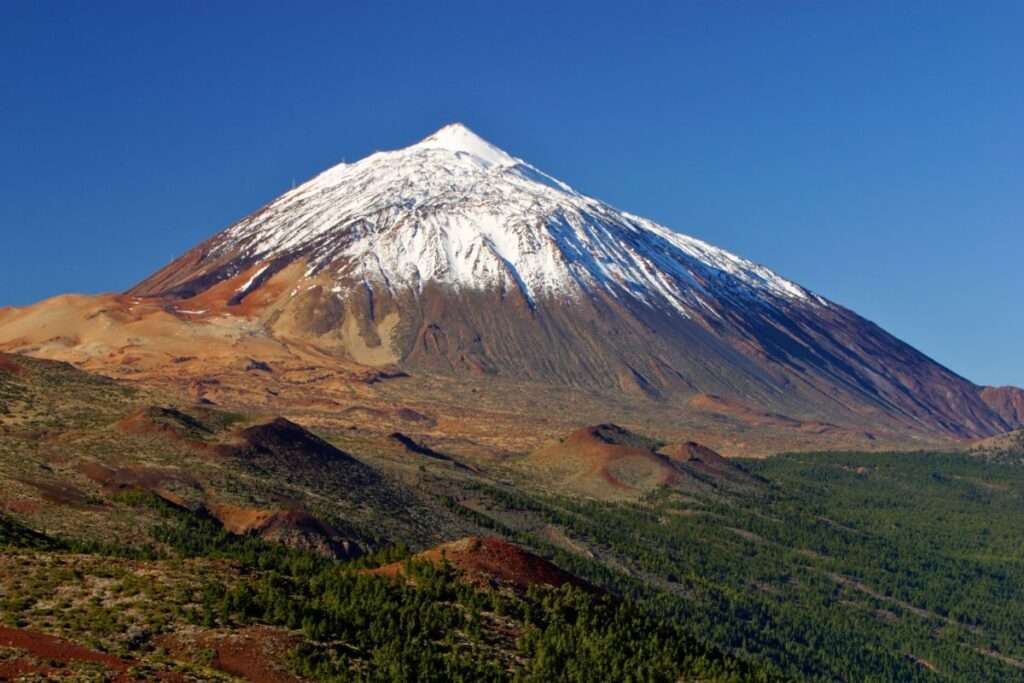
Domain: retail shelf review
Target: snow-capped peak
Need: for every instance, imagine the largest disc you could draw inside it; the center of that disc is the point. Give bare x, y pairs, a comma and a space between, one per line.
456, 210
455, 137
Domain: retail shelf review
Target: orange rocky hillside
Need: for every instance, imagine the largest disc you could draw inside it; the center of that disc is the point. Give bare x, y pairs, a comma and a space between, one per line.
608, 462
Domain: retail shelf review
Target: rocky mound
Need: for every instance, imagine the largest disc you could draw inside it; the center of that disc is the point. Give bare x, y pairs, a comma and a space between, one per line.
694, 453
31, 654
708, 464
283, 451
294, 528
608, 462
282, 444
605, 462
492, 561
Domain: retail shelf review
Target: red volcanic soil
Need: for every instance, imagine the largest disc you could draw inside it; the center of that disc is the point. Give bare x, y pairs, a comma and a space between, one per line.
50, 647
491, 560
55, 652
254, 653
8, 365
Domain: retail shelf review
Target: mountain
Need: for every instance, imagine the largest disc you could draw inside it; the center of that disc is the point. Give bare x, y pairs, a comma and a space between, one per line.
453, 256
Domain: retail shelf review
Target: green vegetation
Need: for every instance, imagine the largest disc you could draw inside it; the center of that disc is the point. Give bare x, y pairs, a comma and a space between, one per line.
848, 566
437, 627
429, 626
843, 566
851, 566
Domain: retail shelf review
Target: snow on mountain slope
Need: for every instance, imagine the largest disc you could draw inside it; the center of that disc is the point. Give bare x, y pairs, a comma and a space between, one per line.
455, 209
453, 256
461, 140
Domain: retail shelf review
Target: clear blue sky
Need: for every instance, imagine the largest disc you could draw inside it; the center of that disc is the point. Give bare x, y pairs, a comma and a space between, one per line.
873, 152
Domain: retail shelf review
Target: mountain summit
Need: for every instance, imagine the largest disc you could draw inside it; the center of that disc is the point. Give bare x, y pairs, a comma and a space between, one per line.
457, 138
452, 256
454, 209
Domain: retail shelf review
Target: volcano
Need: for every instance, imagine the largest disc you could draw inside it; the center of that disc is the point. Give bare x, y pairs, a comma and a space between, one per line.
452, 256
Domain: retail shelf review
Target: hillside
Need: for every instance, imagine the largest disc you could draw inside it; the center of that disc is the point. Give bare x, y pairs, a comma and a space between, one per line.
70, 441
214, 607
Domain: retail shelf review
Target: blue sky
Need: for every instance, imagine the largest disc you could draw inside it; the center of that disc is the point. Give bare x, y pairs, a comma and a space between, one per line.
873, 152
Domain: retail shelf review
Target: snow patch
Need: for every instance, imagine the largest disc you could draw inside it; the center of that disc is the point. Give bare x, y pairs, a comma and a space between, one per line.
457, 210
244, 289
